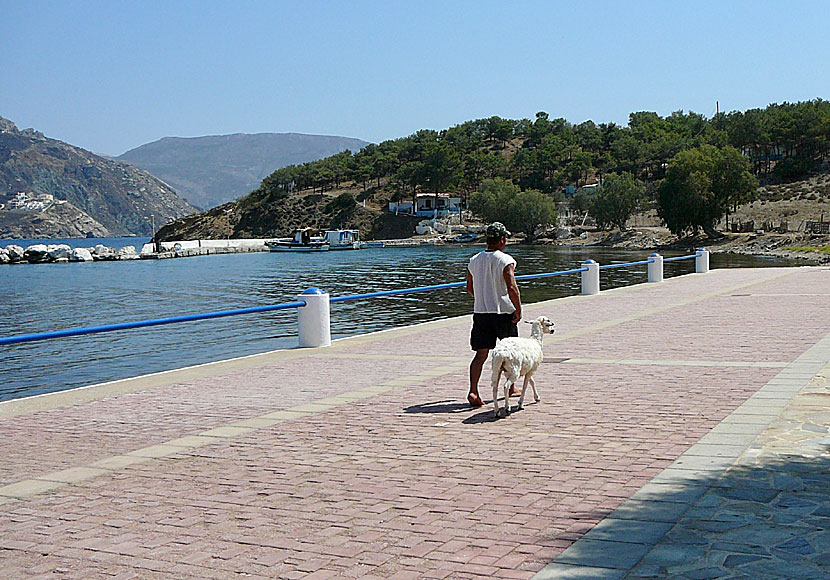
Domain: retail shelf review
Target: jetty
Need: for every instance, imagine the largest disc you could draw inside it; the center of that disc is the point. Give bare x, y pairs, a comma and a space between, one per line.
683, 431
190, 248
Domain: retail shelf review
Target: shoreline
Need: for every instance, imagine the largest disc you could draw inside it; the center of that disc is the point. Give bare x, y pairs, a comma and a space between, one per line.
762, 245
644, 239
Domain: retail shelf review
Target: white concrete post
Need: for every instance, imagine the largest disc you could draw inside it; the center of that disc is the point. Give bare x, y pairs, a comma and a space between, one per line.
590, 278
655, 268
702, 261
314, 319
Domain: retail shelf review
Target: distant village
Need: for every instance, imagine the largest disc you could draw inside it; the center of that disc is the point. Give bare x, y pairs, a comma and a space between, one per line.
30, 202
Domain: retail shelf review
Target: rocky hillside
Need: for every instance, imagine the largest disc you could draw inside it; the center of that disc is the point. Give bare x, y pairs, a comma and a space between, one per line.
209, 171
261, 215
51, 189
58, 219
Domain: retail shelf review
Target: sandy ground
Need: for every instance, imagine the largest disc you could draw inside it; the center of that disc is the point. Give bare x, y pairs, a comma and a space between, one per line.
784, 207
765, 244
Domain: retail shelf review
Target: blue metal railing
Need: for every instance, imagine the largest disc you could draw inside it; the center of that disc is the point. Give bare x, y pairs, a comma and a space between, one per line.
144, 323
396, 292
549, 274
443, 286
679, 258
608, 266
287, 305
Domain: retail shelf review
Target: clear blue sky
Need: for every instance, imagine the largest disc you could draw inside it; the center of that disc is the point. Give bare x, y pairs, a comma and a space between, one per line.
111, 75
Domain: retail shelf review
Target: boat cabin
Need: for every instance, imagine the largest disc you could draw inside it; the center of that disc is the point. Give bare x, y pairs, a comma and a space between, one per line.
342, 239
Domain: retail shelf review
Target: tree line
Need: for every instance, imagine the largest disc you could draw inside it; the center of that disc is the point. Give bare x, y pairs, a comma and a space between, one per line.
543, 155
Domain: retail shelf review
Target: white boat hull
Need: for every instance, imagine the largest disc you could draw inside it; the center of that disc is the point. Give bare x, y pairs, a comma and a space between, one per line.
303, 241
278, 247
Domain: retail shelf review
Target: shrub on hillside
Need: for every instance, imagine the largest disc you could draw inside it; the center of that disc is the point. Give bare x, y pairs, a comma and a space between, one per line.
342, 201
521, 211
794, 167
616, 199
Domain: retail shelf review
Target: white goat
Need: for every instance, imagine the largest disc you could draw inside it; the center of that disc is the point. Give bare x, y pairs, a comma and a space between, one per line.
519, 357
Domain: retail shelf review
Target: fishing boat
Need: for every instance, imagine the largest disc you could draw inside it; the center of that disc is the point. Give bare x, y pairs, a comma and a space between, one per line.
464, 238
303, 241
343, 239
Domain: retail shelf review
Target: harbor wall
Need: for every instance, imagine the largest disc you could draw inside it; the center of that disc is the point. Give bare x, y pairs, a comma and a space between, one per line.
251, 244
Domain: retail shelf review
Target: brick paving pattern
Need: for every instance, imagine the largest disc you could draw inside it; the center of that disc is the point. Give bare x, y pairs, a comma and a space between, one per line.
363, 461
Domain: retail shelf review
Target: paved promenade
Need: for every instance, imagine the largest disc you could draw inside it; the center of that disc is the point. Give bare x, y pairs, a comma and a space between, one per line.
683, 432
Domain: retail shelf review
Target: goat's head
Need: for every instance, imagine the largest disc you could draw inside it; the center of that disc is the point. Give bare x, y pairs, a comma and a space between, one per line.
545, 324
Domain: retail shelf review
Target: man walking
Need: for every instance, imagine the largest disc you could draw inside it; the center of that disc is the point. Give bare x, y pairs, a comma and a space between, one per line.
491, 280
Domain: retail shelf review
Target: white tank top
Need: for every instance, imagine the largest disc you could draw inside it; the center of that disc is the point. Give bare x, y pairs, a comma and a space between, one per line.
489, 287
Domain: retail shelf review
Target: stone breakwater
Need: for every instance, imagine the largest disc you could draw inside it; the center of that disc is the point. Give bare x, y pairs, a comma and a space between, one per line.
52, 253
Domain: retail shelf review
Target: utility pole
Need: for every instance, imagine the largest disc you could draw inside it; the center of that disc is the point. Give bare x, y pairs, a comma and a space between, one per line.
228, 224
156, 242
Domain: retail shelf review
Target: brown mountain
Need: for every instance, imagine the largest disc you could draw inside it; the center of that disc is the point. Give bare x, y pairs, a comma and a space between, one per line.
50, 189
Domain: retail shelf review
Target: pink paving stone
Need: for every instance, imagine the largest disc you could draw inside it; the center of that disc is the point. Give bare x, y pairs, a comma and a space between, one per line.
436, 574
406, 575
321, 575
511, 574
77, 435
414, 465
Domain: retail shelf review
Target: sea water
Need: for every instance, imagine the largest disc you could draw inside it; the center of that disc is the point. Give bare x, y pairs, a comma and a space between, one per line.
46, 297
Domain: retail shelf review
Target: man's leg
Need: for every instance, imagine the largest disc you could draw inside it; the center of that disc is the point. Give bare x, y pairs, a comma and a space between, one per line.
475, 374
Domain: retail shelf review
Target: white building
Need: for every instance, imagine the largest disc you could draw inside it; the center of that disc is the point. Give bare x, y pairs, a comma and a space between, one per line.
20, 200
428, 205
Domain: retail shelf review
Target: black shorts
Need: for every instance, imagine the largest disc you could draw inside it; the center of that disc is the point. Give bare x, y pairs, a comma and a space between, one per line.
488, 327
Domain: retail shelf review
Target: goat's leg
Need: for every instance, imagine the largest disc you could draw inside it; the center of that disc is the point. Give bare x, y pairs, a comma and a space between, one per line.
495, 384
511, 380
533, 386
524, 390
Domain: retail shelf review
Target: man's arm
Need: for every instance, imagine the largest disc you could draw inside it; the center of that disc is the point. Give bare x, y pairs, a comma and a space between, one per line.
470, 284
513, 291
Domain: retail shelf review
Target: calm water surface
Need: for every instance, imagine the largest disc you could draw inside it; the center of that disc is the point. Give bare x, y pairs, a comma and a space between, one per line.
45, 297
